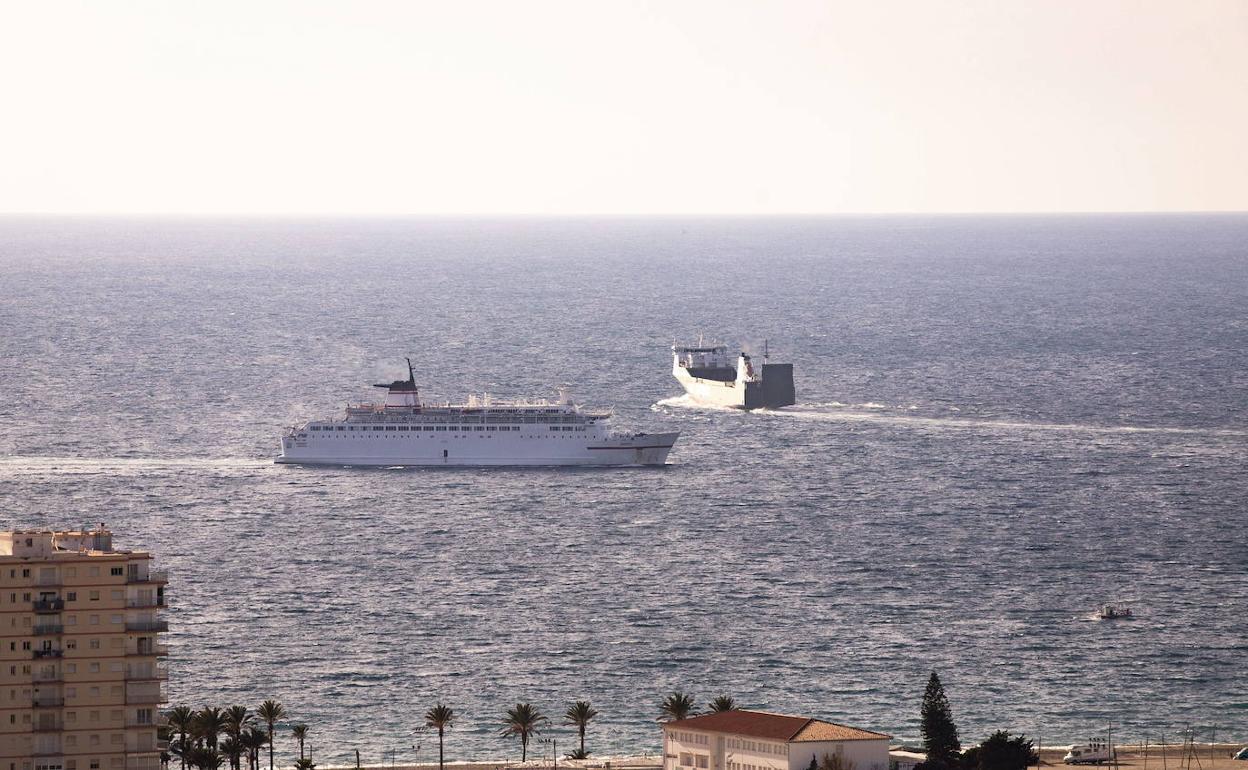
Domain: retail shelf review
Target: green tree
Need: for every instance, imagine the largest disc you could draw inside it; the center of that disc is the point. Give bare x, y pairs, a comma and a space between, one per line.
299, 733
676, 707
722, 703
940, 734
523, 721
440, 718
271, 712
580, 714
1001, 752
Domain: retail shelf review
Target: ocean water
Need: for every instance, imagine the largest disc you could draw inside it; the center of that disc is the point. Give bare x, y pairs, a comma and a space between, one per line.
1004, 422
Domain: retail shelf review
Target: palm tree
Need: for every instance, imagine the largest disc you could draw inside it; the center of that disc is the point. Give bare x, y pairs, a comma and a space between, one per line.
524, 721
237, 718
579, 714
209, 723
231, 748
440, 717
677, 706
300, 732
253, 740
181, 747
722, 703
304, 764
271, 712
182, 722
205, 758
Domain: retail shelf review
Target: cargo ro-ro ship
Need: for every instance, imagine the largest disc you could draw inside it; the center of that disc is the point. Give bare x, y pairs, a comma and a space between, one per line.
710, 378
405, 431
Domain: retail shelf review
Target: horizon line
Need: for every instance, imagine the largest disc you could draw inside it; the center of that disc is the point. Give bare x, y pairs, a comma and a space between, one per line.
598, 214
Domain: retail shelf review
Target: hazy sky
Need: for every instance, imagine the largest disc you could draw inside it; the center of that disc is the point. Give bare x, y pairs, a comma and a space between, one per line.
623, 107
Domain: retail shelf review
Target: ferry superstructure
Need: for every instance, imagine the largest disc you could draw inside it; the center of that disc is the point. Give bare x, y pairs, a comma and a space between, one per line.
405, 431
709, 377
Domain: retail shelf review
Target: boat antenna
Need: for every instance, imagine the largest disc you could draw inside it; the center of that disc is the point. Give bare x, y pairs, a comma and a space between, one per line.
411, 375
766, 355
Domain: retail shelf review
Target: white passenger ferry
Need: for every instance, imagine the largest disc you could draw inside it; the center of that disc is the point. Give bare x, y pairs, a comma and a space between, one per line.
405, 431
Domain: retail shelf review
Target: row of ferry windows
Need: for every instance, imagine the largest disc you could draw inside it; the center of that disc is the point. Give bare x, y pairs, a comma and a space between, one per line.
464, 428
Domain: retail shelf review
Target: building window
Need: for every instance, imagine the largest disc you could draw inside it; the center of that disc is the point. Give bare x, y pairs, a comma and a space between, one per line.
71, 596
117, 571
93, 596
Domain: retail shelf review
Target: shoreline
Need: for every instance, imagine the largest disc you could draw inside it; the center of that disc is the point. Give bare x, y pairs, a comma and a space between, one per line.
1179, 756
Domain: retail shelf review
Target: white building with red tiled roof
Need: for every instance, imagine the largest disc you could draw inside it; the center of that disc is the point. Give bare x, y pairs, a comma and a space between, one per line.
758, 740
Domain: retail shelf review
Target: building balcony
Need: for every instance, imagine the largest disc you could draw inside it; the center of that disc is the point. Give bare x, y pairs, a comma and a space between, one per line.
38, 654
152, 603
49, 629
54, 726
154, 674
47, 702
48, 581
42, 677
49, 605
46, 751
133, 723
150, 577
158, 650
145, 697
147, 626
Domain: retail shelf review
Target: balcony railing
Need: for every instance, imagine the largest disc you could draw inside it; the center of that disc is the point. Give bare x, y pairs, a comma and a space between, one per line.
153, 626
48, 581
49, 605
133, 722
48, 654
48, 727
145, 696
47, 702
49, 629
154, 674
151, 577
154, 601
159, 650
44, 677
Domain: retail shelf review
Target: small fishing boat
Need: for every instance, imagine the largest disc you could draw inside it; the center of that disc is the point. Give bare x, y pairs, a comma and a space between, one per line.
1114, 612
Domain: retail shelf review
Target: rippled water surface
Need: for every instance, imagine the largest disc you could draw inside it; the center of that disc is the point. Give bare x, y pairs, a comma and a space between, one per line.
1004, 422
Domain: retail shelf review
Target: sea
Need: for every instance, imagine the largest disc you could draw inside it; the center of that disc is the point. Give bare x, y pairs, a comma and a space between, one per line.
1004, 422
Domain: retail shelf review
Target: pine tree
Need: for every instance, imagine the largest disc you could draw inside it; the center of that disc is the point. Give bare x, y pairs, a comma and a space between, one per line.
940, 734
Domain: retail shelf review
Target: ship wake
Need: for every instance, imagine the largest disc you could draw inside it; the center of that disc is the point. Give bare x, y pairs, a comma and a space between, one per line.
903, 416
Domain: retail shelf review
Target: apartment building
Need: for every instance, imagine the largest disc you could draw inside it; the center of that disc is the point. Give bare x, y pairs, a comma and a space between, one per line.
81, 681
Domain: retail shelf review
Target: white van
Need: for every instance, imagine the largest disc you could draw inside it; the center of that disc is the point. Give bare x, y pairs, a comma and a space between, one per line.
1094, 753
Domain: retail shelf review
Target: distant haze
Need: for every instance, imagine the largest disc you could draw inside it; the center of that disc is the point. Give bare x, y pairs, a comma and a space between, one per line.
561, 108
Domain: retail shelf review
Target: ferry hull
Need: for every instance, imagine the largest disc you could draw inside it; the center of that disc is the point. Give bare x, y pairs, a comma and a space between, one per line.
637, 450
